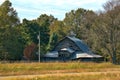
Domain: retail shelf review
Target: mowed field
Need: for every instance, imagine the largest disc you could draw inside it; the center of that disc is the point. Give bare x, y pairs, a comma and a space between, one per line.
59, 71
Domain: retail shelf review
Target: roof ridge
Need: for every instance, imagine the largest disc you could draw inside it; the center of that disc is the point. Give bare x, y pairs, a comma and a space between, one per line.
80, 44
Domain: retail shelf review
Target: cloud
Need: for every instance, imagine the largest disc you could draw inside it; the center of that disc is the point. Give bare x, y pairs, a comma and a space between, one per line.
33, 8
1, 1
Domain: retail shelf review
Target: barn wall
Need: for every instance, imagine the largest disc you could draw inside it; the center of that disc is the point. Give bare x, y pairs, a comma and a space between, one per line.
66, 43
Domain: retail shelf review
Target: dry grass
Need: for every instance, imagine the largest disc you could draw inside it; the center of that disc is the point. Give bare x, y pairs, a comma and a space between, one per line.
43, 68
12, 69
81, 77
106, 76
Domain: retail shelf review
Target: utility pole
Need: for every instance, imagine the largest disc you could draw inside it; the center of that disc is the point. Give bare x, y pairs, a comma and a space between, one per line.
39, 46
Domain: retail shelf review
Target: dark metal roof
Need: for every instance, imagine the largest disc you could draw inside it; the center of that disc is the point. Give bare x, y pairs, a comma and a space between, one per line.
86, 52
80, 44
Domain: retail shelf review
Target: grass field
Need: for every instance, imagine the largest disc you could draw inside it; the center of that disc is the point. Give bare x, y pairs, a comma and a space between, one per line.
60, 71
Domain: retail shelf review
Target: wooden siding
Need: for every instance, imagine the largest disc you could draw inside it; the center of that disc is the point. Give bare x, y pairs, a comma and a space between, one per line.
66, 43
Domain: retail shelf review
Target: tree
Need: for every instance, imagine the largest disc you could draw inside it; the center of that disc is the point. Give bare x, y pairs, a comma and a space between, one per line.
10, 47
44, 22
29, 31
8, 16
81, 22
74, 20
52, 42
58, 28
108, 29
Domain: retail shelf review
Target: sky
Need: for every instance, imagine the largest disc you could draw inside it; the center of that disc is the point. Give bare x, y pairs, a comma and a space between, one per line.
32, 9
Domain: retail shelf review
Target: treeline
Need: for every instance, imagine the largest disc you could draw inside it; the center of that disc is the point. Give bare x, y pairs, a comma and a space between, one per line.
100, 30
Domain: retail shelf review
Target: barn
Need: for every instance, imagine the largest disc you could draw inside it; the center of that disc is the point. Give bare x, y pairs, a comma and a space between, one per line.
71, 48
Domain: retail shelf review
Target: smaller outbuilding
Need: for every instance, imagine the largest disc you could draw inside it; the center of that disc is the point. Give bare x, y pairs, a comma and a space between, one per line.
71, 48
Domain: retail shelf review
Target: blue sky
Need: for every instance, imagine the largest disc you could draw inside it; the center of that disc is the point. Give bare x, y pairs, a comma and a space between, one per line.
31, 9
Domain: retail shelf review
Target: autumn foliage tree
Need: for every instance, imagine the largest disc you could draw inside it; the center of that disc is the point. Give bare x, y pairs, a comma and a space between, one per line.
108, 29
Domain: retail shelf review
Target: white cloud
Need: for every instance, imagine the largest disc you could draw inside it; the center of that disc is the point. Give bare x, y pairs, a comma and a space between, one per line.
1, 1
58, 8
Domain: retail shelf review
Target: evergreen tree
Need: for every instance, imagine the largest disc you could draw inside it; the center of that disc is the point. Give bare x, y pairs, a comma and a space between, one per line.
10, 48
44, 22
